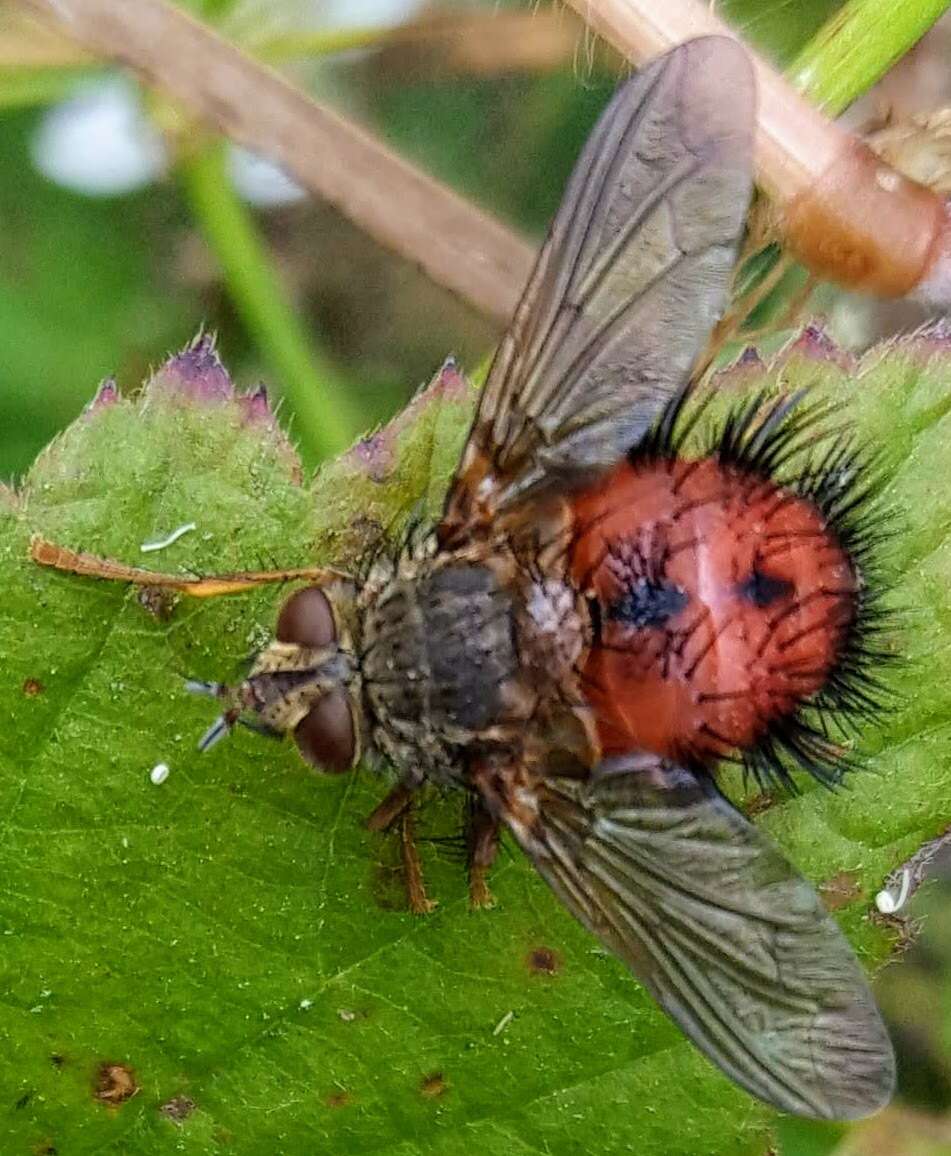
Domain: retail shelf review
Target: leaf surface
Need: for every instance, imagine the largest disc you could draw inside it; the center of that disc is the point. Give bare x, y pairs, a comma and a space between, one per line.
234, 937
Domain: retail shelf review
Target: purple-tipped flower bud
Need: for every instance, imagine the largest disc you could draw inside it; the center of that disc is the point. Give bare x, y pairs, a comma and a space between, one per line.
749, 359
450, 382
255, 406
814, 342
195, 373
107, 394
256, 411
373, 455
747, 367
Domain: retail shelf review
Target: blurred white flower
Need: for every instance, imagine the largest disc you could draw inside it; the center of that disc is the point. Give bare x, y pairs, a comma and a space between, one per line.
99, 142
260, 182
367, 13
263, 18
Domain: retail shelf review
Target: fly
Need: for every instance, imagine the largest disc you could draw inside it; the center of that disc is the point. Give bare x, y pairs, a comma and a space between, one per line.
599, 619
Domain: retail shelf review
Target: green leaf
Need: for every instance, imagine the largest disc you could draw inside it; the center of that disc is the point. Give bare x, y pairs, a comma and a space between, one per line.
234, 937
808, 1137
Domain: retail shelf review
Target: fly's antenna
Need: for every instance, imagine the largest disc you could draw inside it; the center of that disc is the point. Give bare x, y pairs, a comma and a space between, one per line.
224, 723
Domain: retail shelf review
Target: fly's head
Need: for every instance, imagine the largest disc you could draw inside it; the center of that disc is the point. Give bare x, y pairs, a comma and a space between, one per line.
306, 682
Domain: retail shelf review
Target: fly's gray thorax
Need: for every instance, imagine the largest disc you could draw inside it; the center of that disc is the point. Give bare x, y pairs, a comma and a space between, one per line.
460, 655
439, 664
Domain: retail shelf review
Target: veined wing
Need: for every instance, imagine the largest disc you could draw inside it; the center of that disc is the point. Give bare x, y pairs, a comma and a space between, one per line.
630, 280
725, 934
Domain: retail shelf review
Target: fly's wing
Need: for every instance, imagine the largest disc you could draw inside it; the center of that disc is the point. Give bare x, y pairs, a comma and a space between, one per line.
725, 934
630, 280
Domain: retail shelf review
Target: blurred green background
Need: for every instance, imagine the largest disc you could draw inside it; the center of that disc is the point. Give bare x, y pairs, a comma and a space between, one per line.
102, 285
108, 284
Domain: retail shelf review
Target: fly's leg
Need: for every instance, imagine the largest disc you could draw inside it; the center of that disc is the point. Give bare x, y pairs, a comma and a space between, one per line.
383, 817
396, 810
419, 901
46, 553
482, 845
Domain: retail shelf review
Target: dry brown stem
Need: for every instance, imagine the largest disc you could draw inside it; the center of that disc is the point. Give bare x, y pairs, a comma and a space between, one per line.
844, 213
453, 242
463, 42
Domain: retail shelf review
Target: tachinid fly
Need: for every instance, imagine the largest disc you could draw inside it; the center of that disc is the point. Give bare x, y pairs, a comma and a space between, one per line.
597, 620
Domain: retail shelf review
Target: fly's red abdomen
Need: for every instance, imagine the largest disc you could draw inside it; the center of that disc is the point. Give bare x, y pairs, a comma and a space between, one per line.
720, 601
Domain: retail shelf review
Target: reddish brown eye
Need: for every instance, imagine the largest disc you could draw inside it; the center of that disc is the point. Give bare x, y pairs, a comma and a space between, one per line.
325, 735
306, 619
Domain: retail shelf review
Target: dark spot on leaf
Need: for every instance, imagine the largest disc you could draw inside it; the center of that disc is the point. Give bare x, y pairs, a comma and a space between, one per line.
45, 1148
544, 960
23, 1101
840, 890
57, 1060
905, 931
159, 603
759, 803
433, 1086
364, 536
339, 1099
32, 687
178, 1109
115, 1083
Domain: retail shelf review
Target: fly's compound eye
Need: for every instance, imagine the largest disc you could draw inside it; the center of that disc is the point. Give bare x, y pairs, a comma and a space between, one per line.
306, 619
325, 735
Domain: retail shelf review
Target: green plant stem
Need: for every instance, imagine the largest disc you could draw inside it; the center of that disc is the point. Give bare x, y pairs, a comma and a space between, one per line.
857, 46
325, 416
213, 10
303, 45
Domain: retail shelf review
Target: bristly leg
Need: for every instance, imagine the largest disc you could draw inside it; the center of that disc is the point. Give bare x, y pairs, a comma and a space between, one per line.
396, 810
419, 902
383, 816
482, 846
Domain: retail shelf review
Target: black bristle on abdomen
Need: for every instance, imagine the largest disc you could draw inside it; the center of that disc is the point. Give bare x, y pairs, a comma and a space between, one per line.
794, 444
